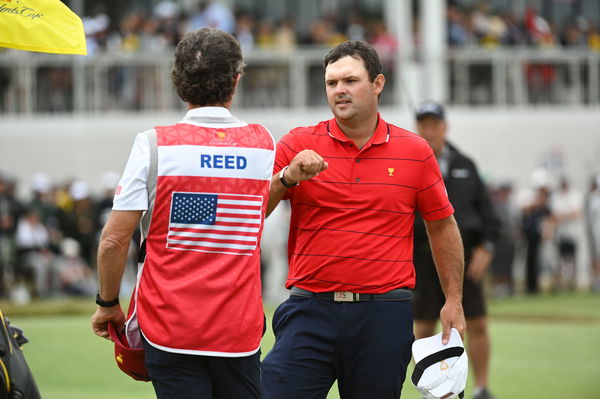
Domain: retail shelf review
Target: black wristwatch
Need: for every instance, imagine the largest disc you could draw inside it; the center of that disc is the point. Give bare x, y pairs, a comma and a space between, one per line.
282, 179
106, 304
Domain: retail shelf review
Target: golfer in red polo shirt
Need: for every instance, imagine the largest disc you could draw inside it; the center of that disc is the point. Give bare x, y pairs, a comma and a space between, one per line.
354, 184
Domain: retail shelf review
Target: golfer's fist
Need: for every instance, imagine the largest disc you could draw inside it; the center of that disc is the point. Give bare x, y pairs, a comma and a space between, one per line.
306, 165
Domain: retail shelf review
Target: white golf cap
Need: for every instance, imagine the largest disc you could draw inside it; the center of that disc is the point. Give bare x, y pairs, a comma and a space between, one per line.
440, 370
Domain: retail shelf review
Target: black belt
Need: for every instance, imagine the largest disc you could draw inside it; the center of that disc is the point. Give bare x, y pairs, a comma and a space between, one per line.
399, 294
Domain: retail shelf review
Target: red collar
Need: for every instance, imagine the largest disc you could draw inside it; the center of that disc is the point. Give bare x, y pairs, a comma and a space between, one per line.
380, 136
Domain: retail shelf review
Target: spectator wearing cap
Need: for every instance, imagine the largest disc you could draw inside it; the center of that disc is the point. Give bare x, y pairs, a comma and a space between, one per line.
479, 228
566, 205
43, 203
74, 277
81, 221
535, 217
35, 259
505, 248
40, 185
212, 14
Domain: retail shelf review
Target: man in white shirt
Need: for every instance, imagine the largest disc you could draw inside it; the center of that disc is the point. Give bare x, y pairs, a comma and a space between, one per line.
566, 207
202, 187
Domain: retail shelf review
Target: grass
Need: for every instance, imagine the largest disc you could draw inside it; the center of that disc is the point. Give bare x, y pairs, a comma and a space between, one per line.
542, 347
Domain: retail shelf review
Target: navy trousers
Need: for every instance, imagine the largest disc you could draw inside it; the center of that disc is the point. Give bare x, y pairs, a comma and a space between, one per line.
179, 376
365, 346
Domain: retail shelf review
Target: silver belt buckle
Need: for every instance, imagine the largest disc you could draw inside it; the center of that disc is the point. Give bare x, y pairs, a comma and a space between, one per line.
345, 296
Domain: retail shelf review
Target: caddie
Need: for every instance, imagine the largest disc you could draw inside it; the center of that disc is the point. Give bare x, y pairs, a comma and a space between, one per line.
200, 188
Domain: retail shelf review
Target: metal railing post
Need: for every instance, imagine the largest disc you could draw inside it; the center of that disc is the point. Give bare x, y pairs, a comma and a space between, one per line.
79, 83
593, 78
298, 82
27, 71
499, 79
519, 86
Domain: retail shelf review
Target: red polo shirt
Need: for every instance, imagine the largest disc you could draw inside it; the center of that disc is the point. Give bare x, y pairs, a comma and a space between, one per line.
352, 226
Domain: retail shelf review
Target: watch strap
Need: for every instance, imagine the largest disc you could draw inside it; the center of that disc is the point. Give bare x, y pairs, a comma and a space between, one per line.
282, 178
106, 304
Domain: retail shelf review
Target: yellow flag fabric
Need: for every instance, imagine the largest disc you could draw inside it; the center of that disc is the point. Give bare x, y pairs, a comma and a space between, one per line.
46, 26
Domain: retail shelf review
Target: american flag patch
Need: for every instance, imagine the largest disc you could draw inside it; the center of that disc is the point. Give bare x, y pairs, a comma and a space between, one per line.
217, 223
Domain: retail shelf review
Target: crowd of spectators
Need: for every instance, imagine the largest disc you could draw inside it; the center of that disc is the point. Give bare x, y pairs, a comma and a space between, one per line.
161, 28
547, 82
545, 229
48, 243
480, 26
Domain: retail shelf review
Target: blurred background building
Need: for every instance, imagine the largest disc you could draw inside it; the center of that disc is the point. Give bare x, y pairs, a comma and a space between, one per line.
521, 80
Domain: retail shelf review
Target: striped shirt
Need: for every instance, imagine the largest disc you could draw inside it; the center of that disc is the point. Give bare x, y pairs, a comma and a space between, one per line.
352, 226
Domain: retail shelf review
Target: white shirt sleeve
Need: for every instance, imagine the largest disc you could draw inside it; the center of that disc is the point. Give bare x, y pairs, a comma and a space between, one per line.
131, 193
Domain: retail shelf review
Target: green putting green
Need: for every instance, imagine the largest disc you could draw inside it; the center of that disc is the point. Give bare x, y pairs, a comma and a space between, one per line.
544, 346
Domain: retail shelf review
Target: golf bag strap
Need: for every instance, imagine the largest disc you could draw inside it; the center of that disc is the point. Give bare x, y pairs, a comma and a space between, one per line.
142, 252
152, 168
151, 178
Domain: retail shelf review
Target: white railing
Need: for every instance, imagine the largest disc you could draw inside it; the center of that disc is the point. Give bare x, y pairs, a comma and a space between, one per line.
523, 77
39, 83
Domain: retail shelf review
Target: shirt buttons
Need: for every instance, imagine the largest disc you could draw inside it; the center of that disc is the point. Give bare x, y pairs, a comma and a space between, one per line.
357, 180
358, 161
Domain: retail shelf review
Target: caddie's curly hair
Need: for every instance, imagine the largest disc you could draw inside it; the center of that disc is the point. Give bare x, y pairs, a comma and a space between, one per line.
207, 62
357, 49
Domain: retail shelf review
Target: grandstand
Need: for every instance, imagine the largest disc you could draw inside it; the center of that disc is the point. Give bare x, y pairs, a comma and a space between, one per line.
497, 53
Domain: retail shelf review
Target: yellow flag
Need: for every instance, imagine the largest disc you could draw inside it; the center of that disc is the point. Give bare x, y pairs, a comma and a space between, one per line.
46, 26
